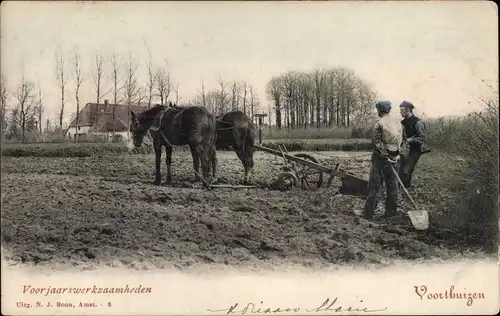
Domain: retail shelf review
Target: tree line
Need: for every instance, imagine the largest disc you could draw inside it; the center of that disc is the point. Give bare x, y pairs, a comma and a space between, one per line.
228, 96
318, 98
321, 98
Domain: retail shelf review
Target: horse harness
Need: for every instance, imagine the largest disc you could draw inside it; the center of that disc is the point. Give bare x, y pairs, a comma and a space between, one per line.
225, 129
159, 117
153, 128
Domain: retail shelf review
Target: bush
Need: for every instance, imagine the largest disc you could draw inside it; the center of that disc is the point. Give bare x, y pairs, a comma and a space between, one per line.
475, 139
307, 133
322, 145
362, 132
443, 133
70, 150
480, 152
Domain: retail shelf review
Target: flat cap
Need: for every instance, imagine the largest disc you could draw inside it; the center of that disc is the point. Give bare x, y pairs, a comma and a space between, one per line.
383, 105
406, 104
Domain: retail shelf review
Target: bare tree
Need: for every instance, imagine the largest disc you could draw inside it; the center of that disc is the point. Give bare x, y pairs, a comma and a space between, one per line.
212, 100
40, 110
319, 80
235, 91
98, 76
3, 105
306, 100
116, 79
223, 97
48, 128
244, 87
254, 101
274, 88
201, 97
25, 113
162, 84
289, 88
151, 80
150, 85
62, 79
141, 95
176, 90
79, 78
130, 86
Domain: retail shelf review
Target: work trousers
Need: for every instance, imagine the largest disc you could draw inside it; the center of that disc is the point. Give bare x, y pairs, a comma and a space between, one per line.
407, 166
381, 173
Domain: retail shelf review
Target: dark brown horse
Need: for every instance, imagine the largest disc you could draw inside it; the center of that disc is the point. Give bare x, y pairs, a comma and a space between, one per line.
177, 126
235, 129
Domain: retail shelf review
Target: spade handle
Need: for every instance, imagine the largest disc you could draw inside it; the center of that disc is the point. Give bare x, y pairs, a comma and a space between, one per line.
403, 188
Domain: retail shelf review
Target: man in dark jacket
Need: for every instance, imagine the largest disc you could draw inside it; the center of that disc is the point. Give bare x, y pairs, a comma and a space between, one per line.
414, 134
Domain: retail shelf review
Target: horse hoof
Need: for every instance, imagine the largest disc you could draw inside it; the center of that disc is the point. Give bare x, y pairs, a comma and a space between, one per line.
157, 182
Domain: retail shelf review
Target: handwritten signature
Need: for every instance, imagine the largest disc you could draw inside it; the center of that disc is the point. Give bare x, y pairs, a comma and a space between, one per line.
252, 308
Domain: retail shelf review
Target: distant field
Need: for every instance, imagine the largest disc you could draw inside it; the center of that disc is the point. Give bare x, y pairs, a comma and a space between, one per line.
106, 149
314, 133
318, 140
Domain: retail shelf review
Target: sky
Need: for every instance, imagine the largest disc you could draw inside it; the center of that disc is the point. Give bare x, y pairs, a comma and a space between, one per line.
439, 55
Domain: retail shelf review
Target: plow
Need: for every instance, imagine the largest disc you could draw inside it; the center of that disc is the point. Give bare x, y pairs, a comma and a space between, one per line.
303, 171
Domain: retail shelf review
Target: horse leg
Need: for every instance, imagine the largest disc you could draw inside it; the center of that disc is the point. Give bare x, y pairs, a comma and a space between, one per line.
196, 161
205, 159
248, 163
157, 180
214, 163
241, 155
168, 161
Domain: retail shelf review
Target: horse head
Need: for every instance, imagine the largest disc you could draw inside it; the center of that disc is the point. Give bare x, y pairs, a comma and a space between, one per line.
138, 127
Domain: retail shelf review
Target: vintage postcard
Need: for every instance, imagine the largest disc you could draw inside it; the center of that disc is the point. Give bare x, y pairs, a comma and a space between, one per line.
249, 158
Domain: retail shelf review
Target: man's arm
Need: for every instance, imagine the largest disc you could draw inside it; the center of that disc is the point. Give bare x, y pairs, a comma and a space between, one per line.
378, 144
420, 138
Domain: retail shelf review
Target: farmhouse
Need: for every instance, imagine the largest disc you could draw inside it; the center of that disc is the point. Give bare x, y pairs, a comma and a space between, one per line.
103, 120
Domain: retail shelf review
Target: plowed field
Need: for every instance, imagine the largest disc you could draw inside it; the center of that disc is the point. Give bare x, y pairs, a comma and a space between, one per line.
90, 211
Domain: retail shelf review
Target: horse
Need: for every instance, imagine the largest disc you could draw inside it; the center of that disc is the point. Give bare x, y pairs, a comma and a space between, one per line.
235, 129
171, 126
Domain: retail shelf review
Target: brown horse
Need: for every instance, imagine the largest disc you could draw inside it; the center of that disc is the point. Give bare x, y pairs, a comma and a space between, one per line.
177, 126
235, 129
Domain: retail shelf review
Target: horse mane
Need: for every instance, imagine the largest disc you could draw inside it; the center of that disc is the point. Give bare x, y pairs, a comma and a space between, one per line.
152, 111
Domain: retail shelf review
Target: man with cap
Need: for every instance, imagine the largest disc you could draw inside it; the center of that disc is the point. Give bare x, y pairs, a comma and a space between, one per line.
414, 137
387, 140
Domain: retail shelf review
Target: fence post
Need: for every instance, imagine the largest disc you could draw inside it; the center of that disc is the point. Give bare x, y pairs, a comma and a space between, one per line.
261, 119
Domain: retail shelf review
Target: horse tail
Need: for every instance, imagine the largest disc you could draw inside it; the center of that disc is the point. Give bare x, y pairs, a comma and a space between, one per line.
247, 134
251, 134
